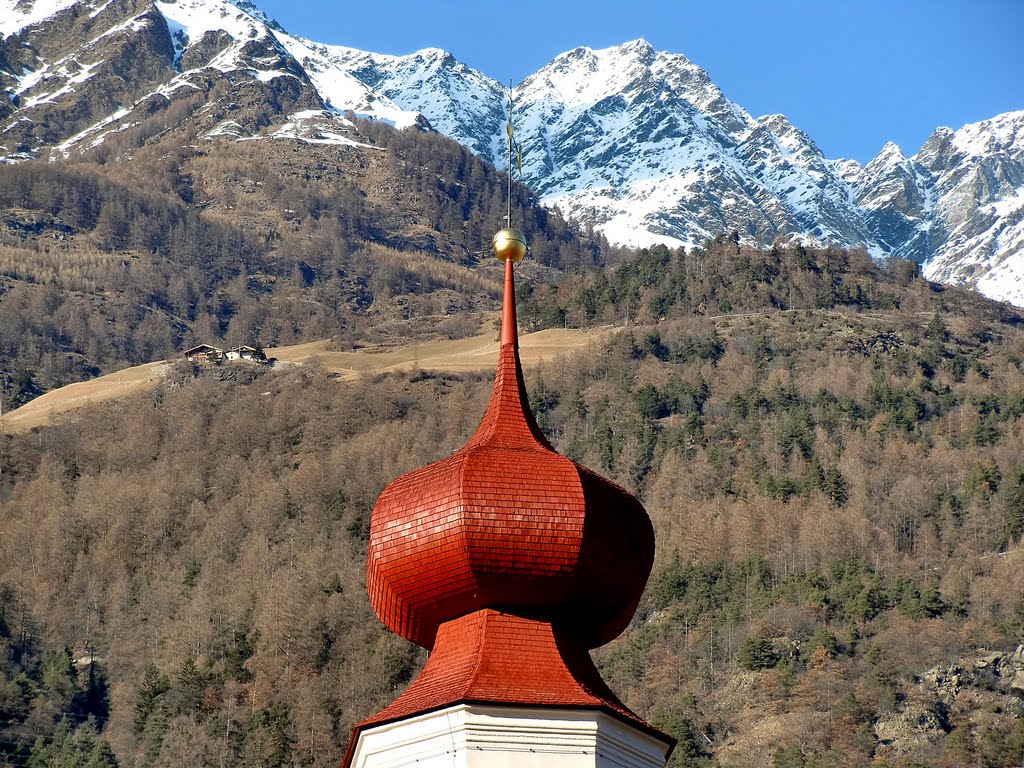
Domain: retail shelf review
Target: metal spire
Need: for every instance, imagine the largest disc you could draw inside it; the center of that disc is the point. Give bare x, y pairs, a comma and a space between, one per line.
511, 140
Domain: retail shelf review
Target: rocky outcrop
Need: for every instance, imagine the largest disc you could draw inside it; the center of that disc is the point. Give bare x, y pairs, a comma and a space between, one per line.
950, 696
80, 67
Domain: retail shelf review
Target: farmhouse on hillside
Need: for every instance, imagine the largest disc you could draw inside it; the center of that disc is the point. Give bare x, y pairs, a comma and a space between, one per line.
204, 353
207, 353
244, 352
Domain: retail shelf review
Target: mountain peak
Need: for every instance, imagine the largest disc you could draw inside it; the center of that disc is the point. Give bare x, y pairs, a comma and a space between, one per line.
432, 54
189, 20
776, 122
256, 13
1003, 132
889, 154
640, 45
631, 49
791, 139
848, 170
639, 51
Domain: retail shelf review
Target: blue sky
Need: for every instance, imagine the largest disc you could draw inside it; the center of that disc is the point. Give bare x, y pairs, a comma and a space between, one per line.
851, 73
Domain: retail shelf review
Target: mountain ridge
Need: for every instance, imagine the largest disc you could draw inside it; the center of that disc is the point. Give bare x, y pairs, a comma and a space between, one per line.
637, 143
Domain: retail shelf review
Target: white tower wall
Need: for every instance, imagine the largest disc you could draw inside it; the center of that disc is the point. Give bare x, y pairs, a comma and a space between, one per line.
483, 736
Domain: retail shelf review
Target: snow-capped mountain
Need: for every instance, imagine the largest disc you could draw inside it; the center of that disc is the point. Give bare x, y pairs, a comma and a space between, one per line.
641, 144
77, 73
977, 223
957, 205
894, 195
644, 146
458, 101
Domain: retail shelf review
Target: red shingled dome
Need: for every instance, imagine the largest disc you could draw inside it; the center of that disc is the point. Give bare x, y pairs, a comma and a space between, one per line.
509, 561
507, 523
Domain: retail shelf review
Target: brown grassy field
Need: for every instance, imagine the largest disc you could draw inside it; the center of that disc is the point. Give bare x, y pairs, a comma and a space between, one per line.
476, 353
112, 386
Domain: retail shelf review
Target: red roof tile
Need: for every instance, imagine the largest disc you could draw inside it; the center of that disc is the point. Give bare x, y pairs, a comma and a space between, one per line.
490, 657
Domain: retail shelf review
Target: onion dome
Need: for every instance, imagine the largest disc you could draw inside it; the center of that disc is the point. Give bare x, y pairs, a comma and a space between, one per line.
508, 560
507, 523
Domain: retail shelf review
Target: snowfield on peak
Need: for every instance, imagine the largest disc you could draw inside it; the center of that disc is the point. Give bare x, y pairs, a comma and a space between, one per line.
325, 66
189, 20
1002, 132
339, 88
16, 15
644, 147
408, 90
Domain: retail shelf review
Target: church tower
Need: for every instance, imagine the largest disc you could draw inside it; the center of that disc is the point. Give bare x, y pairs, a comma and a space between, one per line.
509, 562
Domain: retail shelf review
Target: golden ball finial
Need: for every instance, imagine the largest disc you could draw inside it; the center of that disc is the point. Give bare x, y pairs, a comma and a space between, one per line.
508, 244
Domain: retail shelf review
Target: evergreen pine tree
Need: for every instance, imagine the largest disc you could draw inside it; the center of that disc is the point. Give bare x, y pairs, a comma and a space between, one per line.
154, 685
189, 689
757, 652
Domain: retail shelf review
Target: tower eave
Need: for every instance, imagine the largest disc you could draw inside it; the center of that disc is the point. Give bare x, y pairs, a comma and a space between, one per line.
503, 660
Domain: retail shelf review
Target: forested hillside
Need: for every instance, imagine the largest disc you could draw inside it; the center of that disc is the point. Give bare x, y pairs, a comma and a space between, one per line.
831, 452
149, 245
